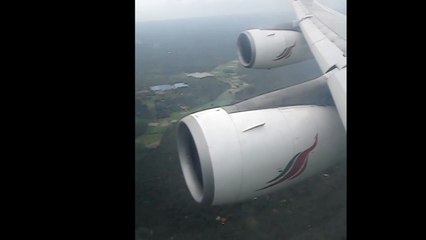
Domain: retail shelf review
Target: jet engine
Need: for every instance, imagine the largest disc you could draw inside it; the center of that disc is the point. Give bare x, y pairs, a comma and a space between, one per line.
228, 157
271, 48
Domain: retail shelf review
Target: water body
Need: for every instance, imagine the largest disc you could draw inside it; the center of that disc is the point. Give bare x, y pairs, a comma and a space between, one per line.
199, 74
167, 87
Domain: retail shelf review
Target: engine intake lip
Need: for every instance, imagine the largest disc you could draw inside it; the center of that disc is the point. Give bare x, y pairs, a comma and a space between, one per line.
195, 160
246, 49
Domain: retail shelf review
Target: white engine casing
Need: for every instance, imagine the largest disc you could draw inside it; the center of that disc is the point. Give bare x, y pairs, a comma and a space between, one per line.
227, 158
271, 48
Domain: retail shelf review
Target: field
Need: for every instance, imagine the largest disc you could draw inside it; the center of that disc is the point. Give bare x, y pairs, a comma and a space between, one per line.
224, 74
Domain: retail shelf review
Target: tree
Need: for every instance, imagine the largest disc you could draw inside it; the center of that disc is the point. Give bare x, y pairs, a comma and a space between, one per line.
141, 109
141, 125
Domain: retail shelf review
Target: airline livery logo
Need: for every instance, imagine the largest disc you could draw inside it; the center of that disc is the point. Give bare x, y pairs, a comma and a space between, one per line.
286, 53
294, 168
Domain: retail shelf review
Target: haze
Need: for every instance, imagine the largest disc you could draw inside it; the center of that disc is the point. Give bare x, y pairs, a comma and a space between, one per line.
154, 10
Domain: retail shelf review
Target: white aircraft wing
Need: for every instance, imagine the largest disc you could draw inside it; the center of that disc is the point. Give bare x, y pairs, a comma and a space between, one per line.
257, 146
324, 30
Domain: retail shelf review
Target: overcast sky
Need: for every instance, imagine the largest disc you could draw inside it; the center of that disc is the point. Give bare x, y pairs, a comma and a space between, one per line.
150, 10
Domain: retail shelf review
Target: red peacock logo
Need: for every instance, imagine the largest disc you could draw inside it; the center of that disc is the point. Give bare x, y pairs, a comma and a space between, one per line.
294, 168
286, 53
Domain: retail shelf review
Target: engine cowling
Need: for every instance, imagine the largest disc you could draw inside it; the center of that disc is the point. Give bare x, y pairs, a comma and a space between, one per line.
230, 157
271, 48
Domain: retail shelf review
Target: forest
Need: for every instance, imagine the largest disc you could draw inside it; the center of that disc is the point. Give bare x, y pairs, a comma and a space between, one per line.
165, 51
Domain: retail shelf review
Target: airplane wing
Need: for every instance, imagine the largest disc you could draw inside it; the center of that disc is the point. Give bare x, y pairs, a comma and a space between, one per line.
265, 143
324, 30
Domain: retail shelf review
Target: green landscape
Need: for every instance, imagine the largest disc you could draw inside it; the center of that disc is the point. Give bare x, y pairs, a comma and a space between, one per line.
199, 55
156, 110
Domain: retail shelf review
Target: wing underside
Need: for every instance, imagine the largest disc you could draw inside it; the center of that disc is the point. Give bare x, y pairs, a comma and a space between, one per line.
325, 32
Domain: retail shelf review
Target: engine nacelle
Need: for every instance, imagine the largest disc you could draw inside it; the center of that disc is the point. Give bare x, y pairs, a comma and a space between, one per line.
271, 48
229, 157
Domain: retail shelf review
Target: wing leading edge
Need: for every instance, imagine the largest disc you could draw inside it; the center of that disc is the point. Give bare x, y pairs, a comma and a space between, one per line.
325, 32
